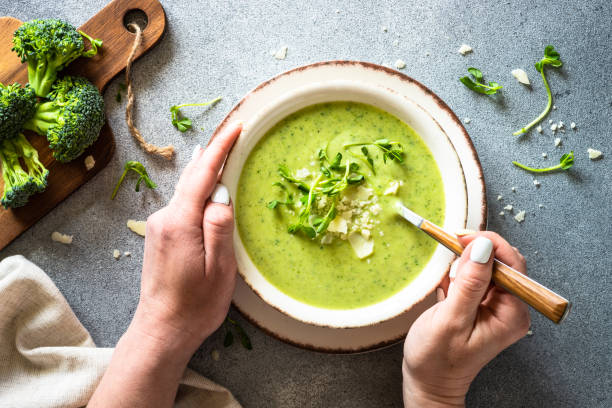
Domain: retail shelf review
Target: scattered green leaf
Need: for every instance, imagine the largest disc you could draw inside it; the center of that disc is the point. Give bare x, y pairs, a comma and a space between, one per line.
477, 84
565, 163
140, 170
181, 122
242, 335
552, 58
228, 340
121, 88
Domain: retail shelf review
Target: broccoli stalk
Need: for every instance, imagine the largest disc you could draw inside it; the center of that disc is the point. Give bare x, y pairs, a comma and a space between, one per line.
19, 183
48, 46
72, 118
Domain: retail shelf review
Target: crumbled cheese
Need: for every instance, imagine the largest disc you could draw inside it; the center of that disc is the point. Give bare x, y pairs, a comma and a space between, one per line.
553, 127
139, 227
594, 154
549, 121
573, 125
89, 162
361, 193
539, 129
366, 233
427, 54
116, 254
215, 355
500, 197
501, 213
554, 107
544, 155
560, 125
337, 11
465, 49
362, 247
338, 224
467, 120
127, 253
540, 205
400, 64
396, 43
375, 209
536, 183
392, 189
384, 29
61, 238
327, 239
557, 142
508, 207
514, 189
281, 53
520, 76
520, 217
302, 173
381, 233
530, 332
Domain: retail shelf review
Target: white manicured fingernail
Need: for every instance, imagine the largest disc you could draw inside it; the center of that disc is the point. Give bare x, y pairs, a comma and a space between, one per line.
453, 269
220, 195
481, 250
196, 151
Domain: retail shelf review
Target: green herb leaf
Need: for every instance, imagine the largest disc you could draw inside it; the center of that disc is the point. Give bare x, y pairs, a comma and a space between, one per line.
140, 170
478, 85
183, 123
565, 163
552, 58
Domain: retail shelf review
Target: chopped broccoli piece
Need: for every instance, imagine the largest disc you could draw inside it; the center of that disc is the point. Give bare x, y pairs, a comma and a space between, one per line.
20, 183
72, 118
17, 105
48, 45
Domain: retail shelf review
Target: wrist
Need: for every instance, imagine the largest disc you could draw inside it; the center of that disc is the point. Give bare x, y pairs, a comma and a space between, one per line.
442, 393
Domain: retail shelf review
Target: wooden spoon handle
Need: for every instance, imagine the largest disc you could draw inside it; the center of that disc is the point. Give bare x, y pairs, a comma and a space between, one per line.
542, 299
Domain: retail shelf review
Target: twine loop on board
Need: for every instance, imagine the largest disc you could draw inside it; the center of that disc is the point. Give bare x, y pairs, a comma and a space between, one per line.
166, 152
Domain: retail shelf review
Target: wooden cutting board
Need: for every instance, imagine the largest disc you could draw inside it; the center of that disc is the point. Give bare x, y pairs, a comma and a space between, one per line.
107, 25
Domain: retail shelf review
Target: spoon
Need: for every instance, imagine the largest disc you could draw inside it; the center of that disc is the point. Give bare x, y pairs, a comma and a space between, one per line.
542, 299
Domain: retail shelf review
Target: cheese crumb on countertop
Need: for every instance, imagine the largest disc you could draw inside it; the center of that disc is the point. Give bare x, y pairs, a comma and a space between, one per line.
127, 253
521, 76
89, 162
281, 53
467, 120
61, 238
385, 29
465, 49
508, 207
502, 213
594, 154
573, 125
536, 183
557, 142
116, 254
139, 227
396, 42
554, 107
539, 129
520, 217
500, 197
514, 189
400, 64
544, 155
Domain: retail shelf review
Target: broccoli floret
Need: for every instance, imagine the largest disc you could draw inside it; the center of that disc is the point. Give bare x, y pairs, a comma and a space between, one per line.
72, 118
20, 183
48, 46
17, 105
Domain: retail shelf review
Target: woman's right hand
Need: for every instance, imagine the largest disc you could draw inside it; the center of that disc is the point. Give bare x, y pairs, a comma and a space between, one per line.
449, 344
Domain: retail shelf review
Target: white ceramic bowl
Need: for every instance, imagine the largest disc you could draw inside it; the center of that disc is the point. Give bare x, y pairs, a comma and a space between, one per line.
443, 152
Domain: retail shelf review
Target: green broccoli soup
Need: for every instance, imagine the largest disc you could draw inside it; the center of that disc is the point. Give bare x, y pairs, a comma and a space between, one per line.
315, 206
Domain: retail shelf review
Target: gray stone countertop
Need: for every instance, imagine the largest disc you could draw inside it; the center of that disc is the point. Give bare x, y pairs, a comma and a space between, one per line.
214, 48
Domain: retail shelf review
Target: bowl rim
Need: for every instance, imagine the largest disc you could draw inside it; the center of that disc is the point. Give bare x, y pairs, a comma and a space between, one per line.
428, 279
263, 315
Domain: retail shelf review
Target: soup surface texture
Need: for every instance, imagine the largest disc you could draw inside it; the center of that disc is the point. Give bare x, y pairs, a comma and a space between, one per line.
330, 275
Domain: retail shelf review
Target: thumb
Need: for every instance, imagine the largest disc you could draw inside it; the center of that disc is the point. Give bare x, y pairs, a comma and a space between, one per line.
472, 281
218, 229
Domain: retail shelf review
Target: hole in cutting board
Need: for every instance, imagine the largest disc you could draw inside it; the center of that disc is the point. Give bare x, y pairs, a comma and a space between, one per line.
135, 16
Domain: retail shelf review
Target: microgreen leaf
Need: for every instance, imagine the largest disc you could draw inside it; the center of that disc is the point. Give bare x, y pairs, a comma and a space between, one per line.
181, 122
242, 335
229, 338
552, 58
565, 163
478, 84
138, 168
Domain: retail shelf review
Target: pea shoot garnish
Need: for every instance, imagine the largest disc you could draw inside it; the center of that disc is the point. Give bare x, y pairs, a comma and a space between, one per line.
565, 163
552, 58
477, 84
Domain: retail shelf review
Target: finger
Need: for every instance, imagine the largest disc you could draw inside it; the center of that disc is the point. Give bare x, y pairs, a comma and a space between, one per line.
502, 249
218, 232
200, 175
472, 281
